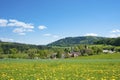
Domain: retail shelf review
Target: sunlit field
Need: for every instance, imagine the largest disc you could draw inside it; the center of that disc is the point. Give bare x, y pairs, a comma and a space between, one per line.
105, 67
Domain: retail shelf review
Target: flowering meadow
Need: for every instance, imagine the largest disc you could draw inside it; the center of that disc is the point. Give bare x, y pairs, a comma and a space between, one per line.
60, 69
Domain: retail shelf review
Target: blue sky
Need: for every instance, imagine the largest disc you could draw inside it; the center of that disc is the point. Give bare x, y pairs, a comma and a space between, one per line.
44, 21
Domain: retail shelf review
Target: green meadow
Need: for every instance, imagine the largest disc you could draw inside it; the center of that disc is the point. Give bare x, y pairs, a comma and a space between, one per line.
97, 67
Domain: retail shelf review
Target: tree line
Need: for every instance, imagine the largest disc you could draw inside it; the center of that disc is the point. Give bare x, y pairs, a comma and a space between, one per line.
17, 50
109, 41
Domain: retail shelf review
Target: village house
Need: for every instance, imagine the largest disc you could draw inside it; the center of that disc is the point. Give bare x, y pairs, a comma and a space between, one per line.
108, 51
74, 54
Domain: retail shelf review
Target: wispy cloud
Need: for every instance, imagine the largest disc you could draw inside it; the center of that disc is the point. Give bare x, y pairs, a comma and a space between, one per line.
23, 27
91, 34
47, 35
19, 27
42, 27
6, 39
55, 36
114, 35
115, 31
17, 23
51, 35
22, 31
3, 22
19, 30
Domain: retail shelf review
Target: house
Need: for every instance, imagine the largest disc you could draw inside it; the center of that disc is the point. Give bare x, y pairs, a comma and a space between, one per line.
74, 54
53, 56
108, 51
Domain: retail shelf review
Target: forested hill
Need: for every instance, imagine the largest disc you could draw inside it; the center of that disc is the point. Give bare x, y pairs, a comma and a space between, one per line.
109, 41
21, 45
69, 41
7, 46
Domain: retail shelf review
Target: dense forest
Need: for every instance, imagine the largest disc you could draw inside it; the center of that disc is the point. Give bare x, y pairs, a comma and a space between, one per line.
64, 48
109, 41
71, 41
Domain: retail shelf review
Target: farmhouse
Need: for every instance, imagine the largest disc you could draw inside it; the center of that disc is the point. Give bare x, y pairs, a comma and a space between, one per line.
74, 54
108, 51
53, 56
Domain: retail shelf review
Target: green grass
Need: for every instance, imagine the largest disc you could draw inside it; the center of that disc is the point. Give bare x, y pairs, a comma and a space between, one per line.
102, 67
101, 56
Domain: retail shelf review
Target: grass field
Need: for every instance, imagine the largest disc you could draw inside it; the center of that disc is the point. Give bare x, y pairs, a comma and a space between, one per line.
100, 67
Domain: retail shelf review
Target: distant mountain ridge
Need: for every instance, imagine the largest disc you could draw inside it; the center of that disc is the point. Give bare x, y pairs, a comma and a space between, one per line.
69, 41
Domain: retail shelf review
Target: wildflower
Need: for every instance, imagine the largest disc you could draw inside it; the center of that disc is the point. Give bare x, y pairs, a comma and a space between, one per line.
92, 77
11, 79
112, 79
103, 79
38, 79
62, 78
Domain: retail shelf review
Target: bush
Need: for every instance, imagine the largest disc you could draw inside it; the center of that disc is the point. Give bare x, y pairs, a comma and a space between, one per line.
31, 55
117, 49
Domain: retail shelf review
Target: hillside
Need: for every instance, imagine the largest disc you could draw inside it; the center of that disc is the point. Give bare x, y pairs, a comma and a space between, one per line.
109, 41
69, 41
6, 47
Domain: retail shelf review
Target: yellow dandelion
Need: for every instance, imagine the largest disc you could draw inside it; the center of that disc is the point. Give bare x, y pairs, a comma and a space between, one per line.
112, 79
103, 79
92, 77
62, 78
11, 79
38, 79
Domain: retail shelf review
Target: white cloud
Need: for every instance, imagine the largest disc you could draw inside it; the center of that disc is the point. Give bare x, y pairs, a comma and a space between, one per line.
6, 39
55, 36
3, 22
47, 35
17, 23
115, 31
42, 27
20, 27
51, 35
29, 30
91, 34
114, 35
21, 31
